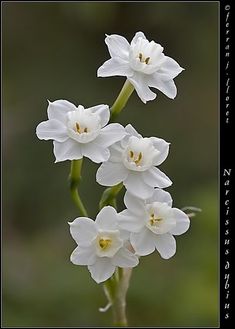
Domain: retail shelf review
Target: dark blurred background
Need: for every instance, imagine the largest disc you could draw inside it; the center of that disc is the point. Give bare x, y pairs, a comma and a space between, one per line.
52, 51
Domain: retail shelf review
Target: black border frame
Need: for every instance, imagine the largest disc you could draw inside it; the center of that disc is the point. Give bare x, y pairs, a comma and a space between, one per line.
226, 164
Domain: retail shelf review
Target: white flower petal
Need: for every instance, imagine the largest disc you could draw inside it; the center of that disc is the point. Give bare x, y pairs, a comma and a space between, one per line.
83, 255
163, 147
125, 237
134, 204
165, 245
161, 196
170, 67
102, 270
52, 129
136, 186
140, 82
130, 222
118, 46
131, 131
107, 218
156, 178
110, 134
83, 230
143, 242
95, 152
58, 110
114, 67
68, 150
111, 173
166, 87
182, 222
137, 36
116, 151
125, 259
103, 112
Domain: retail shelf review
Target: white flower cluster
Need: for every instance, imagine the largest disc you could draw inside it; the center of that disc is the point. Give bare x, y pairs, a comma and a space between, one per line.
149, 222
117, 239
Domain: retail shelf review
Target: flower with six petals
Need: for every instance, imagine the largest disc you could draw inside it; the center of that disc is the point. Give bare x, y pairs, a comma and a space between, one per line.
152, 223
143, 63
133, 161
77, 132
102, 246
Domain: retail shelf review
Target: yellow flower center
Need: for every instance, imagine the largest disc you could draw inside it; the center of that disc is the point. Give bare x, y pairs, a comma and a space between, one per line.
104, 243
154, 221
79, 129
143, 59
136, 158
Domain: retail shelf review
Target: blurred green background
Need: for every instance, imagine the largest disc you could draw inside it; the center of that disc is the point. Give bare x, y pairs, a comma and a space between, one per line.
52, 51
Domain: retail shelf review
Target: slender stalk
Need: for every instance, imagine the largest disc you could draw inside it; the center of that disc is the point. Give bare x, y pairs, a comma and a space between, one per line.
109, 196
122, 99
116, 289
74, 179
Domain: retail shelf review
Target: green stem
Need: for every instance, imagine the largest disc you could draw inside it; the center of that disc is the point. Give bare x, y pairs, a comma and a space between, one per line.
109, 195
74, 179
116, 289
122, 99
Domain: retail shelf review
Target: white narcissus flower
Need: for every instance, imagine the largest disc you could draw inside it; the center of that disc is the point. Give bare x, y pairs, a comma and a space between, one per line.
78, 132
152, 223
132, 161
143, 63
101, 245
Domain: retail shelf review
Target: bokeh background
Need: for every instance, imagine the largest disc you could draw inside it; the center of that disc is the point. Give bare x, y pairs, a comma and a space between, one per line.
52, 51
